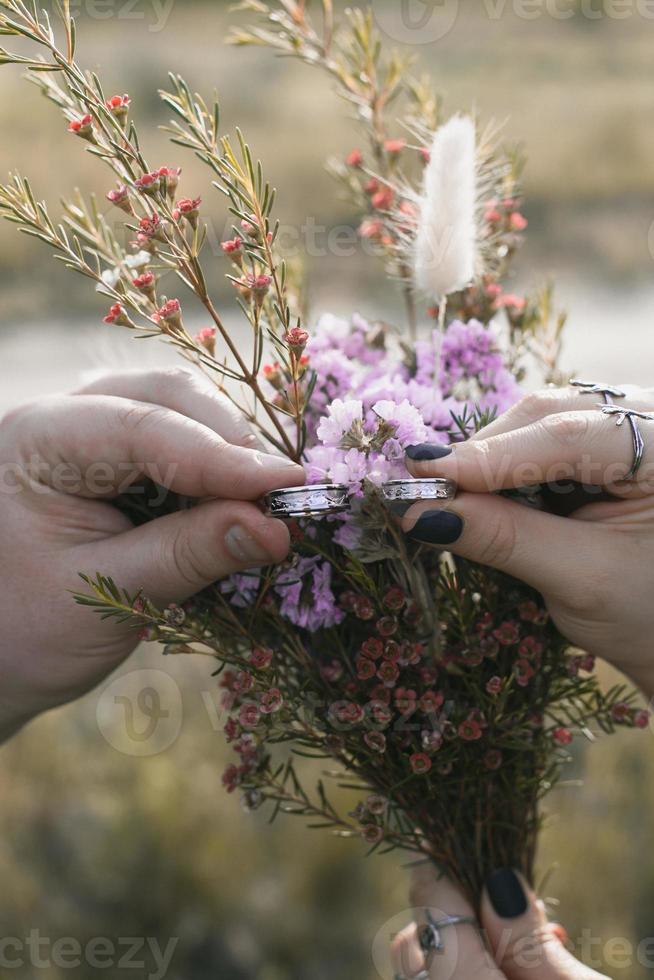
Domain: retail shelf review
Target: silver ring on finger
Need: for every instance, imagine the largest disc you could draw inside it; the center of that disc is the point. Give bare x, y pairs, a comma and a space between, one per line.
431, 941
622, 415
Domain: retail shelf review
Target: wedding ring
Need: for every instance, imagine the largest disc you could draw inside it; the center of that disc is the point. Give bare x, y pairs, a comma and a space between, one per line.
622, 415
312, 501
413, 490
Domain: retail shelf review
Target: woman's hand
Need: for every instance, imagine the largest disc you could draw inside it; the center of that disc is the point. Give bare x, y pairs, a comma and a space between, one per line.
520, 942
61, 460
594, 570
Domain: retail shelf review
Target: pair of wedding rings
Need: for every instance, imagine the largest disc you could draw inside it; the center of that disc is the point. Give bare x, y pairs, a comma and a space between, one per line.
330, 498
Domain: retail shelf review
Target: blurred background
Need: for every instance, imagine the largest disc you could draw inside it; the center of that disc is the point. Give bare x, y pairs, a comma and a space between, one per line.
96, 841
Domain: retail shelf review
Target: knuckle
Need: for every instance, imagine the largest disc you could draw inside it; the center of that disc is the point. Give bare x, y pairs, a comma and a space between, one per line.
567, 429
498, 545
173, 377
185, 560
138, 415
537, 404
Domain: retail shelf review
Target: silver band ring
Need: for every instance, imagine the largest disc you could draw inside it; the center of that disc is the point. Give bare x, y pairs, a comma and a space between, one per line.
316, 501
609, 408
415, 490
431, 940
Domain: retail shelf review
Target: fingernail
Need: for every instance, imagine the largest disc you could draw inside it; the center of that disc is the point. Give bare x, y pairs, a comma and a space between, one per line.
426, 451
243, 547
437, 527
506, 894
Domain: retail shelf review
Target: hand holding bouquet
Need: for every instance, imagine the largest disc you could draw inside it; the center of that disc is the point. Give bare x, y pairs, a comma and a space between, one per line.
440, 689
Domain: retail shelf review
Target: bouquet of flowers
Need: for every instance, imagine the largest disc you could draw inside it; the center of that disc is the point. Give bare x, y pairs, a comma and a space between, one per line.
439, 688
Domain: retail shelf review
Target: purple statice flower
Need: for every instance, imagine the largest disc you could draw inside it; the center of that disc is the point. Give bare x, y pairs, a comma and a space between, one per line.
409, 424
306, 596
242, 589
470, 354
341, 415
328, 464
348, 534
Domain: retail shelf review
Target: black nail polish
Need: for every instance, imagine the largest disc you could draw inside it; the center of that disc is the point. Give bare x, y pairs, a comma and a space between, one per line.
427, 451
437, 527
507, 894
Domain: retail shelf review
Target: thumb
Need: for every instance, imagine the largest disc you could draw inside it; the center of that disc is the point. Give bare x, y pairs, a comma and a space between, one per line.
525, 945
176, 556
511, 537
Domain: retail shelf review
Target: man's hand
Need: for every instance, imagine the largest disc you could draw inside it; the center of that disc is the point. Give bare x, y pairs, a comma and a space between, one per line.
62, 459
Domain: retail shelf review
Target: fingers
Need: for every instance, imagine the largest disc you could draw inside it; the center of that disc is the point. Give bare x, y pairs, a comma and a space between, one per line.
184, 392
508, 536
588, 447
97, 445
464, 955
176, 556
525, 945
553, 401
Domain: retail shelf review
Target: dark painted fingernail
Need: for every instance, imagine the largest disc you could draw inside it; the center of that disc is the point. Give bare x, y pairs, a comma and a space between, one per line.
426, 451
507, 894
437, 527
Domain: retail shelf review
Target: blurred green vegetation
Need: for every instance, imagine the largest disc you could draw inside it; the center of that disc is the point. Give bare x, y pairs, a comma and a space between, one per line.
95, 843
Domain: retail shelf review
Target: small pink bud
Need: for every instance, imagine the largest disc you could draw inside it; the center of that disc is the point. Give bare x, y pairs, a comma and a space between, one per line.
394, 147
149, 183
189, 208
354, 159
383, 199
170, 179
207, 338
145, 284
118, 316
562, 736
169, 316
518, 221
297, 339
82, 127
250, 227
152, 228
121, 199
118, 106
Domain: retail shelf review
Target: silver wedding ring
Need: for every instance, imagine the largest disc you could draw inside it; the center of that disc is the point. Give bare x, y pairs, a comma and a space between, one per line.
316, 501
414, 490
